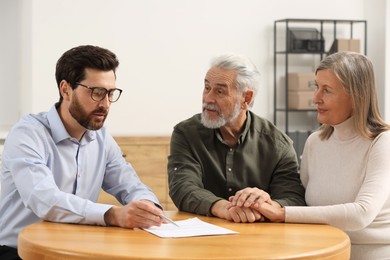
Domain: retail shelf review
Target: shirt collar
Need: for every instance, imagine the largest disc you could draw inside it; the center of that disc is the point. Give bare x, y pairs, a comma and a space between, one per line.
246, 129
242, 136
58, 130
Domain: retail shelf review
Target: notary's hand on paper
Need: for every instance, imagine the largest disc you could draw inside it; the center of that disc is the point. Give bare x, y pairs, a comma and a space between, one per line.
136, 214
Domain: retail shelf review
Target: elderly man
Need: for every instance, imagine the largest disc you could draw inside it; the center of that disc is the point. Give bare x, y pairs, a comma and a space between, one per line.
227, 158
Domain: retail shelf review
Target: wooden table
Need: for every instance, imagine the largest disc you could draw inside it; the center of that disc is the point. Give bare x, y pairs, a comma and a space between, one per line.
45, 240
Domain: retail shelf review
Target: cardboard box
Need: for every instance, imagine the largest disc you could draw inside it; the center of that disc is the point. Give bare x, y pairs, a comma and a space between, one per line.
302, 81
345, 45
301, 100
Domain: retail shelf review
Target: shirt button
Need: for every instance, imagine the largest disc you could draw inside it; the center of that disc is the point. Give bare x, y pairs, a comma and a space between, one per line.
230, 189
231, 149
229, 169
175, 169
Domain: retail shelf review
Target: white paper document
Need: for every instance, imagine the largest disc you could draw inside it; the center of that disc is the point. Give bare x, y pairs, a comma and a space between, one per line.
189, 228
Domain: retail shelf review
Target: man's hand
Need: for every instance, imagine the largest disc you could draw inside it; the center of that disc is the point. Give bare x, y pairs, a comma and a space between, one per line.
225, 210
136, 214
220, 209
243, 215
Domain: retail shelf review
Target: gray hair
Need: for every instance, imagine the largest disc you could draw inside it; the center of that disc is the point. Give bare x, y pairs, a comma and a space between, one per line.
248, 77
356, 74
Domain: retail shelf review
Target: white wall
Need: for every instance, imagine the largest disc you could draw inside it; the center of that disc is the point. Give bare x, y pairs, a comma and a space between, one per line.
10, 60
164, 48
387, 62
375, 14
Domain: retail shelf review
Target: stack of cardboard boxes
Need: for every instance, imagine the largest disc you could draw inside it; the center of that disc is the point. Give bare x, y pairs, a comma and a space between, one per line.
345, 45
301, 87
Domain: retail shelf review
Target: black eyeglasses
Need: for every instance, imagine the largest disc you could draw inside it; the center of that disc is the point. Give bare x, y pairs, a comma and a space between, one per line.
99, 93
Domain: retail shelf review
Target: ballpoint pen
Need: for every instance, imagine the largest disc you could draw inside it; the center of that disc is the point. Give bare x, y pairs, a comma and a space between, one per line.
169, 220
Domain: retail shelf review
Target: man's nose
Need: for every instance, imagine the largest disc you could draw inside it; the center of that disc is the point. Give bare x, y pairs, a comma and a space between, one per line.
209, 97
105, 101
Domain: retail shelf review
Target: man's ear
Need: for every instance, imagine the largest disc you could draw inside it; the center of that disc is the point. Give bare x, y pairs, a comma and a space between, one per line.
248, 98
65, 89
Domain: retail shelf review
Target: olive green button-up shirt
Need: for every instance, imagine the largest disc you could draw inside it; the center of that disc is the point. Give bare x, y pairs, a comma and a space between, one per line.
202, 169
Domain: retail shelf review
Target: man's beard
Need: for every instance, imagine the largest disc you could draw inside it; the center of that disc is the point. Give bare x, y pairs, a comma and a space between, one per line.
84, 119
220, 121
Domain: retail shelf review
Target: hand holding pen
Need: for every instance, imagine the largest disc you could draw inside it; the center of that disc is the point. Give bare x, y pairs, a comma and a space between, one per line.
169, 220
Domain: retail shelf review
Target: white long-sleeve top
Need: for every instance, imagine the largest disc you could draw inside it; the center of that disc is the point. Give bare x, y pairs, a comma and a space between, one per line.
347, 181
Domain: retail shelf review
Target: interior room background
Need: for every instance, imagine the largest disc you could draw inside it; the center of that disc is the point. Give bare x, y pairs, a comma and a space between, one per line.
164, 48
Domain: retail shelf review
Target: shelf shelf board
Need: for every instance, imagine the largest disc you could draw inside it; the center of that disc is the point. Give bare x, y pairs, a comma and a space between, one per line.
302, 52
320, 20
295, 110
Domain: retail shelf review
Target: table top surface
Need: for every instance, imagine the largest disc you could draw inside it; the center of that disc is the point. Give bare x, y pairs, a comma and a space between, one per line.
46, 240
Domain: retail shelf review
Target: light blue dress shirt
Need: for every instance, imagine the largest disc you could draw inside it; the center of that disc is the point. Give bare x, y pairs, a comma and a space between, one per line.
48, 175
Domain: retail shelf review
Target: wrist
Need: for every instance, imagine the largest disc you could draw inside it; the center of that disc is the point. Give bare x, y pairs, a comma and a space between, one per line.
280, 215
218, 207
109, 217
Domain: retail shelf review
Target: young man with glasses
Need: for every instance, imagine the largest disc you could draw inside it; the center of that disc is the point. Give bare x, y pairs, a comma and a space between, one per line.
56, 162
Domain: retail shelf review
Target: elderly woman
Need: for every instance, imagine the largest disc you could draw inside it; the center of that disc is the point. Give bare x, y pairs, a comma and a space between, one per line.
346, 163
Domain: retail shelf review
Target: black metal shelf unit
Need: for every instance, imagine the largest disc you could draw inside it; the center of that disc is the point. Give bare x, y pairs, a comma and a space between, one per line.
288, 59
324, 26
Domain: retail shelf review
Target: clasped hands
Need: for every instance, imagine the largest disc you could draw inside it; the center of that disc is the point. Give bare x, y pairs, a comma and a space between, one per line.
248, 205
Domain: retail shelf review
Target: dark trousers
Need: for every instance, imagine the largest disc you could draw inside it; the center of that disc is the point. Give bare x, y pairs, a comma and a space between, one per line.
9, 253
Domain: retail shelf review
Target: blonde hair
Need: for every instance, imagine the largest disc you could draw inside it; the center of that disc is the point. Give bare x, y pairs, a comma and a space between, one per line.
356, 74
